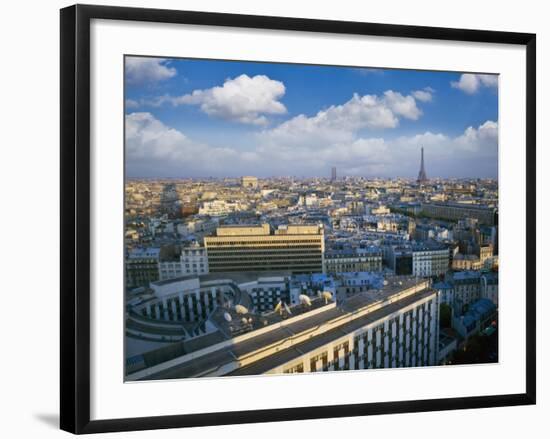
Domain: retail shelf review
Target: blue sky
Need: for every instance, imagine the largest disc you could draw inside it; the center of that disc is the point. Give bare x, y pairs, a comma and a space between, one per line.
202, 118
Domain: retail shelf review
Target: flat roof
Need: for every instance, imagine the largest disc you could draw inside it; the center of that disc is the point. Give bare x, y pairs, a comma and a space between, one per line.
271, 362
208, 362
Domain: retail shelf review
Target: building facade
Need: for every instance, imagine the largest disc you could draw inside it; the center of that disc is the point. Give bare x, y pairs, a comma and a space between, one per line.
294, 248
192, 260
142, 267
465, 287
456, 211
406, 339
466, 262
357, 259
267, 291
395, 326
186, 299
429, 261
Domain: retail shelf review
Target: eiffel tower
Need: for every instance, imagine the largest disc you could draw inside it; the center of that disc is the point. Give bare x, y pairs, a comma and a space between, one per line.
422, 178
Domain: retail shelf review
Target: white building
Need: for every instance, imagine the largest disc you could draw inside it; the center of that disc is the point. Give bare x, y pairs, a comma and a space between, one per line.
220, 207
170, 269
194, 260
395, 326
428, 261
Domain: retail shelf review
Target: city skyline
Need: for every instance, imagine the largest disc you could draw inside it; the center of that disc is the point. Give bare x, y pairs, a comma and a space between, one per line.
201, 119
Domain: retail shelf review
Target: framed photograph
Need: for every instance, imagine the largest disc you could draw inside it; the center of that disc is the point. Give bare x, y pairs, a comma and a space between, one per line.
268, 219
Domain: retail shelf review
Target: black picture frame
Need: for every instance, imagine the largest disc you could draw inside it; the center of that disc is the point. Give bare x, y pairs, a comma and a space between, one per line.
75, 217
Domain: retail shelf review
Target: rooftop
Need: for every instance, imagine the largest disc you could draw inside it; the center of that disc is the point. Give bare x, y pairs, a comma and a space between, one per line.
238, 277
352, 314
144, 253
461, 205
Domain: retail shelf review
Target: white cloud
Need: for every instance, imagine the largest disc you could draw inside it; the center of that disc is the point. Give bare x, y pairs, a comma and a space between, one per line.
132, 104
470, 83
155, 149
474, 151
476, 138
152, 148
339, 123
242, 99
402, 105
140, 70
424, 95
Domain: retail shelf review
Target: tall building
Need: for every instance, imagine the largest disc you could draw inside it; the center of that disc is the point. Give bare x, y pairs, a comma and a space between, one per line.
294, 248
422, 178
393, 326
333, 174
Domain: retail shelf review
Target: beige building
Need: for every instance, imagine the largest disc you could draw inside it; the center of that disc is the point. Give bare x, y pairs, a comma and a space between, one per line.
294, 248
485, 252
466, 262
249, 182
456, 211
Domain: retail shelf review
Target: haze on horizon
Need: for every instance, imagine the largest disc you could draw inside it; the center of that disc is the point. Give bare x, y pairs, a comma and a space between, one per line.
200, 119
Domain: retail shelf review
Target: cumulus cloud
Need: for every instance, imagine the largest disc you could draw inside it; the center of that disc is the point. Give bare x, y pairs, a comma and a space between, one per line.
471, 83
155, 149
475, 138
132, 104
140, 70
473, 152
424, 95
401, 105
242, 99
339, 123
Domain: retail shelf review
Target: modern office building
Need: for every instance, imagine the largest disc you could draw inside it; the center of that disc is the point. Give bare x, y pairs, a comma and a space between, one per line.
333, 174
294, 248
394, 326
